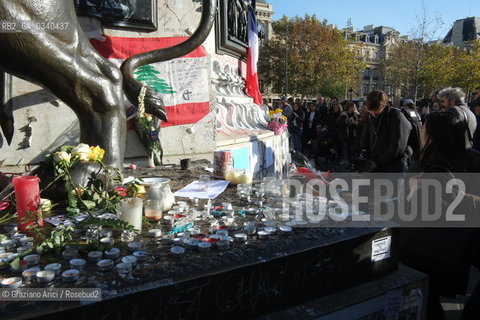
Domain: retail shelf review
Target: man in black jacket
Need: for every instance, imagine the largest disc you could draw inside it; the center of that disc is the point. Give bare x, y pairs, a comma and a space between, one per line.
453, 99
385, 136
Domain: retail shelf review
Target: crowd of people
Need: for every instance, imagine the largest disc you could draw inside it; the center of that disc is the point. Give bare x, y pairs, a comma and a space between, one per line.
376, 130
440, 139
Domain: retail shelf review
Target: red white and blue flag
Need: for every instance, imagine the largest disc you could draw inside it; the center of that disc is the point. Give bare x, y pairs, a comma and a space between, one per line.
252, 58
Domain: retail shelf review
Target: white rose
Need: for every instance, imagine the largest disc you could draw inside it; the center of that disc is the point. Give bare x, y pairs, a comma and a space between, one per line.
61, 156
82, 151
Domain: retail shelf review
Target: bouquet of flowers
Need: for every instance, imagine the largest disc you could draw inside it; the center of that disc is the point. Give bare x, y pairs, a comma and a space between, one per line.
277, 122
97, 192
147, 128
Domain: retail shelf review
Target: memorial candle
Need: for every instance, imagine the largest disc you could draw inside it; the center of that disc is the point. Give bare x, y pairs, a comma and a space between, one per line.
130, 210
27, 195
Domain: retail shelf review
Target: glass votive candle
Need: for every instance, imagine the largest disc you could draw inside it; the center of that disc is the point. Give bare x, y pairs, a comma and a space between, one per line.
12, 283
155, 233
127, 236
105, 233
153, 210
107, 241
93, 233
192, 243
130, 210
204, 182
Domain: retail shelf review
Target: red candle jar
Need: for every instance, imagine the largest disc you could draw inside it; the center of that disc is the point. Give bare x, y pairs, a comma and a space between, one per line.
27, 195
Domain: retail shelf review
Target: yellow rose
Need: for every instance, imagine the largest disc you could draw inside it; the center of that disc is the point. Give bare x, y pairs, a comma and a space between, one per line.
82, 151
61, 156
139, 190
96, 153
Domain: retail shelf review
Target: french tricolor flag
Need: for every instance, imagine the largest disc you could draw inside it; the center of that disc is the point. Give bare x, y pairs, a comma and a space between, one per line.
252, 58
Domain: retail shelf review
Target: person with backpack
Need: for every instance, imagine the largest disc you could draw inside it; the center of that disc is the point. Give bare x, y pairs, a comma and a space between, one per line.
385, 136
410, 112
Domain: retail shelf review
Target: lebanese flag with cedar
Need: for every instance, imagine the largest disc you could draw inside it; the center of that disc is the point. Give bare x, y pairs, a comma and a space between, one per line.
252, 58
182, 82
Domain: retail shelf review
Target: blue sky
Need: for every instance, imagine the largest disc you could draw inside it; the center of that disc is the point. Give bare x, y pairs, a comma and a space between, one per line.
402, 15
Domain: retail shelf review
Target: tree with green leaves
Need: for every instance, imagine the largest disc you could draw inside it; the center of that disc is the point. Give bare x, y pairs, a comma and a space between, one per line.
314, 57
467, 67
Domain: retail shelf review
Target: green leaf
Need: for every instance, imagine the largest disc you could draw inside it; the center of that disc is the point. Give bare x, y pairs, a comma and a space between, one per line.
15, 264
89, 204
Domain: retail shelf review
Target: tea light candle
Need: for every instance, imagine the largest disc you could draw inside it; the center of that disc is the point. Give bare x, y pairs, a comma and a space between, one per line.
227, 206
179, 241
155, 233
223, 245
32, 259
107, 241
130, 259
45, 276
140, 255
95, 256
105, 265
29, 274
270, 229
263, 235
240, 237
134, 246
123, 268
113, 253
55, 267
285, 230
228, 238
222, 233
204, 246
131, 211
199, 236
222, 227
70, 253
70, 275
192, 243
78, 264
249, 230
177, 251
12, 283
